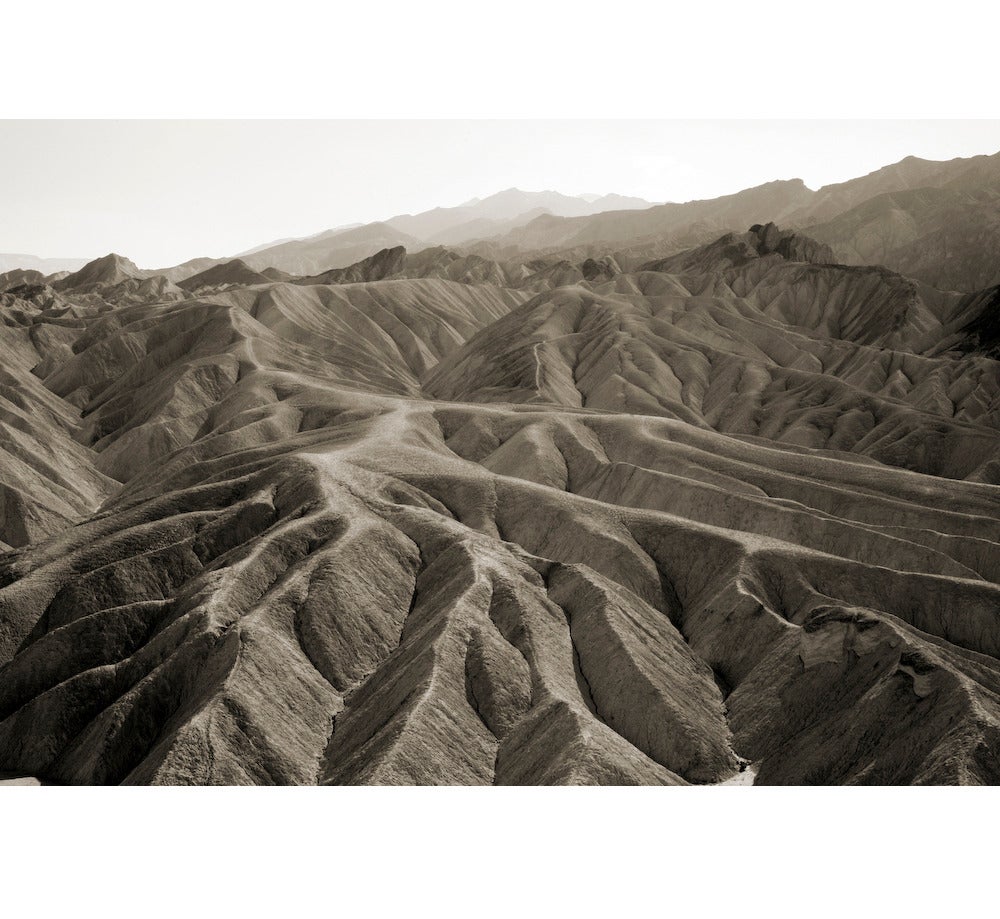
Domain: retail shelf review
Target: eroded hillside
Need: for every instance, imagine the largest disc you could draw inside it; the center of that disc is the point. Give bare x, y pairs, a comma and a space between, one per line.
440, 518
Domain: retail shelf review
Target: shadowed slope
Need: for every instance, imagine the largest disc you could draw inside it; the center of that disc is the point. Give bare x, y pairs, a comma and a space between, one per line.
47, 480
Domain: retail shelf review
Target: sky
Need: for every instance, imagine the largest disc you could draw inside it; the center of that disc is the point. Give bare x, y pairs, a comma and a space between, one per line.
162, 192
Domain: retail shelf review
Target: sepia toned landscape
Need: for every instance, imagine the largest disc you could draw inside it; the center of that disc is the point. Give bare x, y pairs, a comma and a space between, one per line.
539, 489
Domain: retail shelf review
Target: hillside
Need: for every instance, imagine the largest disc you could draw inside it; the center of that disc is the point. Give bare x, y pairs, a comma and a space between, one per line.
729, 514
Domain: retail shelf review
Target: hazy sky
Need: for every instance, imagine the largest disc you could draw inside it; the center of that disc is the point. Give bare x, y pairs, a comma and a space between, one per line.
161, 192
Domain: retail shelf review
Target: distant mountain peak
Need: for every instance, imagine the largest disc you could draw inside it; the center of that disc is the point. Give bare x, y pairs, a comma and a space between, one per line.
105, 271
10, 261
114, 261
383, 264
231, 273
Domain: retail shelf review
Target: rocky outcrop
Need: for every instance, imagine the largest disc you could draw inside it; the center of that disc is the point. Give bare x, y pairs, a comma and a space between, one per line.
736, 251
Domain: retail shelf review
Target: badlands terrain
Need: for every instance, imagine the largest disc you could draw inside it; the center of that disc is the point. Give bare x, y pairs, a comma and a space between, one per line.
537, 490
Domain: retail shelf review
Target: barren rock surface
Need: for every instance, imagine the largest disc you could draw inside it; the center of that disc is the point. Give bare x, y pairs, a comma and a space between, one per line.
730, 516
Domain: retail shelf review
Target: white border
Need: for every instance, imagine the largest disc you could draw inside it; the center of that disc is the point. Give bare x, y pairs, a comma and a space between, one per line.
519, 58
497, 852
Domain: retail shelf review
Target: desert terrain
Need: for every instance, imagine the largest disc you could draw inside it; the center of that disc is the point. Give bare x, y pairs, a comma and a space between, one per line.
535, 490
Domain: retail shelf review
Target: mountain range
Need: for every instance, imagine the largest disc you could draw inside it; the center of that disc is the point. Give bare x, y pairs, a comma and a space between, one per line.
702, 493
343, 245
934, 221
